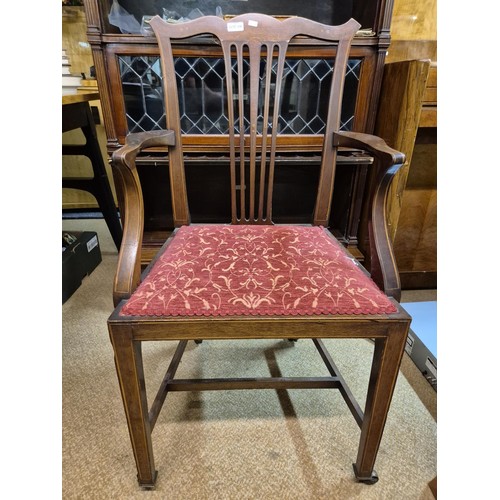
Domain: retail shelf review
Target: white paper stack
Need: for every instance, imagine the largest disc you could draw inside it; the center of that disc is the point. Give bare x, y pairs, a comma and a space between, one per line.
70, 82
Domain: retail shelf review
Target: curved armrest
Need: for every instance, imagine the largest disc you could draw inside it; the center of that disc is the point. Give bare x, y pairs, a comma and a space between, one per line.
371, 143
128, 270
384, 269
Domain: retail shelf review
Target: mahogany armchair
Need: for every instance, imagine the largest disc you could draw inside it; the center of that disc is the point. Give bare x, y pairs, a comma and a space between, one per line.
252, 278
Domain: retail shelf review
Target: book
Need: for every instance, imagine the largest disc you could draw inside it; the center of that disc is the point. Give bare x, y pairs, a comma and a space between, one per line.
71, 80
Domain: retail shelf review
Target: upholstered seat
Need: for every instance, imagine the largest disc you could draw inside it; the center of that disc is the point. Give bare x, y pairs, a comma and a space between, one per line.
253, 278
223, 270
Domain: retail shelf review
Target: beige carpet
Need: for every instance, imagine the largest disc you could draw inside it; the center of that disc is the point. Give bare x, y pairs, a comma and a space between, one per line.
237, 444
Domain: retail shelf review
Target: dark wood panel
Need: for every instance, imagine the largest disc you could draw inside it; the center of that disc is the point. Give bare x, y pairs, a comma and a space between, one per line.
418, 280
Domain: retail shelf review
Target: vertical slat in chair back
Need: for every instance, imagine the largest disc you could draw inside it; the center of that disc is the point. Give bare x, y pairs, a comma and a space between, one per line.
254, 48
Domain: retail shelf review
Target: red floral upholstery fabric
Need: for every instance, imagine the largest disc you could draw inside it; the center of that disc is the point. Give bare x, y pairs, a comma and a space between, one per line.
255, 270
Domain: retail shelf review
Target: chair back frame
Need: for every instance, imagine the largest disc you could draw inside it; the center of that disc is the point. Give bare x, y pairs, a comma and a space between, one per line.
262, 42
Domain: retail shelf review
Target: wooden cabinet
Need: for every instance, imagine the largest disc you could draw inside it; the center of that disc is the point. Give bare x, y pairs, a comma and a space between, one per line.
415, 242
129, 79
407, 120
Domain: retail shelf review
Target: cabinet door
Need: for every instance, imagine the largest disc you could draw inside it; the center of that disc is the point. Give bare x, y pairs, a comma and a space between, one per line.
135, 77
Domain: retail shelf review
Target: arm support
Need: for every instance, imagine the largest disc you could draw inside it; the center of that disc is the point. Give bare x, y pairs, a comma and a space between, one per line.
123, 161
384, 269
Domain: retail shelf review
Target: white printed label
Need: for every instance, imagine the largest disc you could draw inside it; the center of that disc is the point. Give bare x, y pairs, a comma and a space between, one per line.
235, 26
92, 243
254, 24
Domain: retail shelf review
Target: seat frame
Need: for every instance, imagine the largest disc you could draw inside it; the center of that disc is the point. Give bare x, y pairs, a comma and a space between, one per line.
127, 333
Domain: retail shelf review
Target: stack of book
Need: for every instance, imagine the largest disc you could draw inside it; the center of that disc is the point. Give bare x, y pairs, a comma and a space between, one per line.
70, 83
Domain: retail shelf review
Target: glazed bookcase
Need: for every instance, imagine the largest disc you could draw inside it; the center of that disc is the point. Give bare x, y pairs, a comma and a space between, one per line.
130, 84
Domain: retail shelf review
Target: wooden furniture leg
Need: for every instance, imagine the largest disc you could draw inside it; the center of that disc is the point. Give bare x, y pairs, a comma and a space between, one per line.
128, 361
385, 367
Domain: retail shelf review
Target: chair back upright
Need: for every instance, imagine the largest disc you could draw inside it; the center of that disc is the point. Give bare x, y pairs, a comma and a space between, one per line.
254, 49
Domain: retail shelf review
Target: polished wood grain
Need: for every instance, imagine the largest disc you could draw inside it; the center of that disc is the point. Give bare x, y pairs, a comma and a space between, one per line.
129, 258
80, 97
389, 331
433, 77
398, 120
74, 40
415, 243
414, 20
428, 117
409, 50
383, 378
252, 157
130, 371
413, 31
412, 201
383, 263
261, 36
